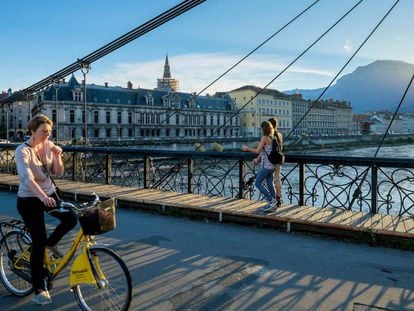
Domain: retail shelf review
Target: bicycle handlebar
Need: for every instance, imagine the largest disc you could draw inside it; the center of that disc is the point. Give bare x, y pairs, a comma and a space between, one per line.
63, 205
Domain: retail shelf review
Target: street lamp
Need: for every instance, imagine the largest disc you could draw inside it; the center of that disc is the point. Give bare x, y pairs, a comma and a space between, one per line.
85, 69
30, 100
56, 85
7, 110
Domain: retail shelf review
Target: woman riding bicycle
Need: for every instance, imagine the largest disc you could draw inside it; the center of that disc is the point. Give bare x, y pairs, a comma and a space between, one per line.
35, 160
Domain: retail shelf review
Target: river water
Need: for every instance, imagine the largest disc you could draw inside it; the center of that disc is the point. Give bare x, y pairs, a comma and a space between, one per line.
396, 151
325, 186
395, 186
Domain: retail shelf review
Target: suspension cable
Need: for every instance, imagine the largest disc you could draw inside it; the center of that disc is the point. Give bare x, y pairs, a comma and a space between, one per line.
259, 46
180, 164
343, 68
358, 191
241, 60
288, 66
106, 49
393, 117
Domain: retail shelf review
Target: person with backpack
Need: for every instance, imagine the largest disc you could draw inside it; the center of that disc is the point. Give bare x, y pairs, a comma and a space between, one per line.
265, 173
276, 175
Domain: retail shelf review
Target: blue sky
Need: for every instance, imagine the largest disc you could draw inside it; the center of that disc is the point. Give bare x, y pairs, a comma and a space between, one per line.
41, 37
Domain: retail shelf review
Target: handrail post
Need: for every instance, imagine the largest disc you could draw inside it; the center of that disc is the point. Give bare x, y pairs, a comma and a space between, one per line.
374, 192
242, 173
108, 169
147, 166
301, 183
190, 174
74, 165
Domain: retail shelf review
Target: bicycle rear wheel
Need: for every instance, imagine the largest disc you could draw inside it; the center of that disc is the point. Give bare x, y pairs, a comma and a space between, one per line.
114, 290
15, 277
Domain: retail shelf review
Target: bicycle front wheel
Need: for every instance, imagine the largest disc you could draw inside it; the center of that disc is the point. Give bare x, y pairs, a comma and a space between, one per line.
14, 270
113, 290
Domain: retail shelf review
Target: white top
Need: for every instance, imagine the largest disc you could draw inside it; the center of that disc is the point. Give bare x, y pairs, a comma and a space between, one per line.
264, 159
29, 167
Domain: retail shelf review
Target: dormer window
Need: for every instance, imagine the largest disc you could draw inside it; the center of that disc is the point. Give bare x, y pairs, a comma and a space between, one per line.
191, 102
171, 100
149, 100
77, 96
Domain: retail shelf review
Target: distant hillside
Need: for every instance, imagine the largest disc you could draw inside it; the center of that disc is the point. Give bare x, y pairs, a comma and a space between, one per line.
377, 86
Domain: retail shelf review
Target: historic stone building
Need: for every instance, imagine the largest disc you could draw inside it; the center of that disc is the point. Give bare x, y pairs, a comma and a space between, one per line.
117, 113
296, 115
257, 105
326, 117
14, 118
343, 112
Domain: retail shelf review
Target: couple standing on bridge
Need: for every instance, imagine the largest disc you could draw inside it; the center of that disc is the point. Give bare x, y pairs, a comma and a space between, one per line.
268, 172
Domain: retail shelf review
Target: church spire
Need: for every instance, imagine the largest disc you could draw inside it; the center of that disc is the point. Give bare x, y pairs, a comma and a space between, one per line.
167, 83
167, 71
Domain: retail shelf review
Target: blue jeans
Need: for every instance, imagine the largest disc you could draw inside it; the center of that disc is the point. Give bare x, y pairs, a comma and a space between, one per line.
265, 174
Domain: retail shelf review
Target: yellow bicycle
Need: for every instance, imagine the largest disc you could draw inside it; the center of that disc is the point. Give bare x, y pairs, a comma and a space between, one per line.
99, 278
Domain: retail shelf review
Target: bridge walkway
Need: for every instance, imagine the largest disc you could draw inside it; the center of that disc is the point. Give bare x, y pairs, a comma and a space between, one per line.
329, 221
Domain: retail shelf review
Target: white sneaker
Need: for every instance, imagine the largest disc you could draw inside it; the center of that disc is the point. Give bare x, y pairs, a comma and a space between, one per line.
269, 205
42, 298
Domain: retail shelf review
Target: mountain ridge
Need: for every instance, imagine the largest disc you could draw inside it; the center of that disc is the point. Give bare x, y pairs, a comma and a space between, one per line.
377, 86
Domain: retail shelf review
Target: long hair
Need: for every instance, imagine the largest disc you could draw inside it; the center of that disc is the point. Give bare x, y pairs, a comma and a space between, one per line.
273, 121
267, 129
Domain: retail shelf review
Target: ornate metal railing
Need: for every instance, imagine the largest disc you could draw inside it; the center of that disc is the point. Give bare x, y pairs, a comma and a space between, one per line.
383, 186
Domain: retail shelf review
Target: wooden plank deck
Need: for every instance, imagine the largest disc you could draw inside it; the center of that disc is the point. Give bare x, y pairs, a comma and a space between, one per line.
288, 217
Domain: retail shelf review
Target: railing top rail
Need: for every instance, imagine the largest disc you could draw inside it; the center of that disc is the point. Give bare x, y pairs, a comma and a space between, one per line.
290, 157
348, 160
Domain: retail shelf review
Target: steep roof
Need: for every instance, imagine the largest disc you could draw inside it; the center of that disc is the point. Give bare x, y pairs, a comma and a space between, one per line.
125, 96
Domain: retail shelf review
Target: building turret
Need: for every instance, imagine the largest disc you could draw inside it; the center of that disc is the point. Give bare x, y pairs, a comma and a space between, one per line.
167, 83
167, 71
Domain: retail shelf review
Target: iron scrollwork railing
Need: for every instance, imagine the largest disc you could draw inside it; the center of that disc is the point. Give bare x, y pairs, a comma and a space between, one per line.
383, 186
396, 191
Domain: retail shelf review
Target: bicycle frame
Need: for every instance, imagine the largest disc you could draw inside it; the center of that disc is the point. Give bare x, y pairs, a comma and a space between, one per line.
92, 270
81, 271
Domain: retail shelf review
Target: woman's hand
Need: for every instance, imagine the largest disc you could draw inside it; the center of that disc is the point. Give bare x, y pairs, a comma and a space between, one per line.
57, 151
245, 148
49, 202
255, 161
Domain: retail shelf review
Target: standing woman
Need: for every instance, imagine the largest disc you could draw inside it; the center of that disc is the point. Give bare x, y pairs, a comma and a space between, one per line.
266, 170
35, 160
276, 176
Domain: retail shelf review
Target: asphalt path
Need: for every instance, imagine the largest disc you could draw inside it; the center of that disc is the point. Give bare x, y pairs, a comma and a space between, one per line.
181, 264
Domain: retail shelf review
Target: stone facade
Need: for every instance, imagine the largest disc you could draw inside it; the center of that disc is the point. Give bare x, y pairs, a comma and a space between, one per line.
326, 117
116, 113
257, 105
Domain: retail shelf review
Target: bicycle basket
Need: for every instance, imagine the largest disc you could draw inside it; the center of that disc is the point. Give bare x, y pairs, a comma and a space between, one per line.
98, 219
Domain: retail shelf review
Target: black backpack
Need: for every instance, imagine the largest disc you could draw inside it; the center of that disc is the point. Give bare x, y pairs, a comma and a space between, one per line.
276, 155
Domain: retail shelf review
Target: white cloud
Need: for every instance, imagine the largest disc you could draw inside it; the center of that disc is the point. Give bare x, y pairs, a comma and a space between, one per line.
399, 38
348, 47
196, 71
